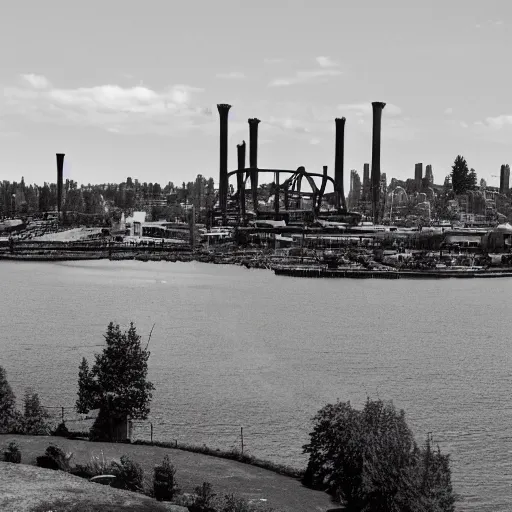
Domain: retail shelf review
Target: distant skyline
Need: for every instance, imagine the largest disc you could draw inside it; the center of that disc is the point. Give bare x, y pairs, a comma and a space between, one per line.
126, 88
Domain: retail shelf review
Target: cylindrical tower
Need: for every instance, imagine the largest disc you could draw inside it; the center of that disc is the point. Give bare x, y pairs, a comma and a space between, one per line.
60, 168
240, 178
375, 180
223, 165
253, 159
339, 163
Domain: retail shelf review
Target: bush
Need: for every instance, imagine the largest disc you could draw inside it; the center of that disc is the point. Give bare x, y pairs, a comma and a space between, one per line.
54, 458
369, 461
13, 453
129, 475
204, 500
164, 481
61, 430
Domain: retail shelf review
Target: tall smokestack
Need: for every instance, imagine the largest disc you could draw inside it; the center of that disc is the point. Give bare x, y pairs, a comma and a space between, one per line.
377, 118
338, 163
253, 159
60, 167
223, 165
240, 179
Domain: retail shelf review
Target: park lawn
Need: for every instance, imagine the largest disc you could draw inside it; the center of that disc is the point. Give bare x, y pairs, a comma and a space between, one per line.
192, 469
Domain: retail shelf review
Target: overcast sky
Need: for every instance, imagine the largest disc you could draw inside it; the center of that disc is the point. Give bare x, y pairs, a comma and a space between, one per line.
129, 88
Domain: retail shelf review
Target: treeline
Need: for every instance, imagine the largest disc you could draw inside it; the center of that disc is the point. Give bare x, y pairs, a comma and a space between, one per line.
110, 199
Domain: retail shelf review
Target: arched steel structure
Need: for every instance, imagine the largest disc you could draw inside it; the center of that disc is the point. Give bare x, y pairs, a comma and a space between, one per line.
291, 187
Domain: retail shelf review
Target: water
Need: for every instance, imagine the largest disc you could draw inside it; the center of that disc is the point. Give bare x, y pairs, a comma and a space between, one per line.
235, 347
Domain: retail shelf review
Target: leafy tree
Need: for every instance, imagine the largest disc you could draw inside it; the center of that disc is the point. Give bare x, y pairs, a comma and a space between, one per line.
462, 178
116, 384
369, 460
7, 404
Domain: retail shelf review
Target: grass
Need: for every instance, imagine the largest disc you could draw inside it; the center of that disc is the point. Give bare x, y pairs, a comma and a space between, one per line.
280, 469
226, 473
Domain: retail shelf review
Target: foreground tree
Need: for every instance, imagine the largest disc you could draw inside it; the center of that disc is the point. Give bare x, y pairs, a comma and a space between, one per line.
116, 384
463, 179
369, 461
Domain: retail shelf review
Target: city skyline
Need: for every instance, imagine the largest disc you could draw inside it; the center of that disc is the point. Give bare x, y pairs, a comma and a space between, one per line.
129, 92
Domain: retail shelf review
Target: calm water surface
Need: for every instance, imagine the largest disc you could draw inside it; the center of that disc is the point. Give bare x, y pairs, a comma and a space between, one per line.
244, 347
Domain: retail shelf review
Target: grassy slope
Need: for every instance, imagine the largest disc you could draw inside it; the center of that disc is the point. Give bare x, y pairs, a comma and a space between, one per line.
281, 492
24, 487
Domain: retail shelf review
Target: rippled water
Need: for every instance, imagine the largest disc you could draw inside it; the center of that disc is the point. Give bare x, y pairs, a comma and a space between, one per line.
244, 347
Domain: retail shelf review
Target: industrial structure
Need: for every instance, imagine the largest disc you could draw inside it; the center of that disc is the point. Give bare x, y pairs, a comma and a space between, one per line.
288, 193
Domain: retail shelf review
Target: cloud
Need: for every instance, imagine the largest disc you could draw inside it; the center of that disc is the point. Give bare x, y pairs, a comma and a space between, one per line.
112, 107
233, 75
365, 109
308, 76
449, 111
463, 124
273, 61
36, 81
499, 121
326, 62
314, 141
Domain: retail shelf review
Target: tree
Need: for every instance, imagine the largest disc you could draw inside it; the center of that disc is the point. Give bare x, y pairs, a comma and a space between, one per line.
116, 384
35, 418
369, 461
462, 178
7, 404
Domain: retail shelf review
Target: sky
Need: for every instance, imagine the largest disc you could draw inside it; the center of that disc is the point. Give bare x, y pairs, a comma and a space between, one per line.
129, 88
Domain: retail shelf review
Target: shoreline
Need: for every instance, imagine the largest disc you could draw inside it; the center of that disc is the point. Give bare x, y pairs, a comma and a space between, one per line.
289, 269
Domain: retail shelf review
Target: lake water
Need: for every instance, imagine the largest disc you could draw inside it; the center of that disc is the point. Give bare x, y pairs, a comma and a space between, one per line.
236, 347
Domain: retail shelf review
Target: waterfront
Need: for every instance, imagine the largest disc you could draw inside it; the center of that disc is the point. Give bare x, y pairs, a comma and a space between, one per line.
233, 346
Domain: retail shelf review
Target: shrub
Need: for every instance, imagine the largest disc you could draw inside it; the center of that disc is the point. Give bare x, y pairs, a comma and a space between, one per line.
369, 461
129, 475
54, 458
164, 481
13, 453
204, 500
61, 430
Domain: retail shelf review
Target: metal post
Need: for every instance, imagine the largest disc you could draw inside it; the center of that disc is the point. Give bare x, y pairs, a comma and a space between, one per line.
151, 424
242, 436
62, 414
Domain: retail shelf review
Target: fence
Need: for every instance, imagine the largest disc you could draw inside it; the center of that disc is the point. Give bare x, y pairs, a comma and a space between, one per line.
214, 436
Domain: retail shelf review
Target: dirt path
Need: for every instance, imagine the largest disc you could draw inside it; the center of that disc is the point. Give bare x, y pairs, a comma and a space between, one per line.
192, 469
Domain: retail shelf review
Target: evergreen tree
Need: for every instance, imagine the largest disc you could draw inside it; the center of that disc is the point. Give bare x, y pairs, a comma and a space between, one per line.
35, 417
7, 404
462, 178
116, 384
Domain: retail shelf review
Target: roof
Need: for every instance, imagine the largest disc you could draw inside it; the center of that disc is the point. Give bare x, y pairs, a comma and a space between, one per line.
463, 238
